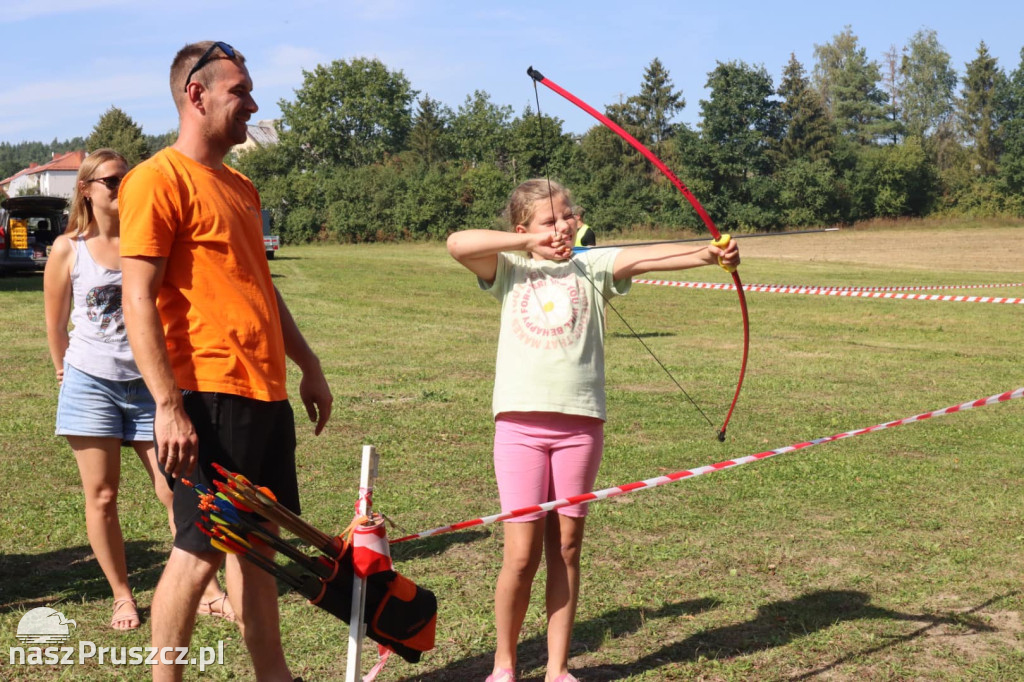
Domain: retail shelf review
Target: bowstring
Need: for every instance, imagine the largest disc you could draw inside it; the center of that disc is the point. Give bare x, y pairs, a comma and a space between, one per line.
582, 270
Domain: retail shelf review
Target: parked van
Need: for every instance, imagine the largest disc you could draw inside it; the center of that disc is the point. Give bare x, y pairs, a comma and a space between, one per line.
28, 227
271, 242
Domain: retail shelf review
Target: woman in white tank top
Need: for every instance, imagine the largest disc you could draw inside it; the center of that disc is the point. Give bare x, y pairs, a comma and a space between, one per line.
103, 401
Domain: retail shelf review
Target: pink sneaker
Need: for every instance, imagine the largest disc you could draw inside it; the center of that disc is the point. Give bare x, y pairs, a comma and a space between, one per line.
503, 675
566, 677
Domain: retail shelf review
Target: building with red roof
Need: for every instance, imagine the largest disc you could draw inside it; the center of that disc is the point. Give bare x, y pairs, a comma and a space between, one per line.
53, 179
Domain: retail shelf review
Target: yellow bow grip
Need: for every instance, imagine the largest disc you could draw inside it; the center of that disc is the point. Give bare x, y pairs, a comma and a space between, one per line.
721, 243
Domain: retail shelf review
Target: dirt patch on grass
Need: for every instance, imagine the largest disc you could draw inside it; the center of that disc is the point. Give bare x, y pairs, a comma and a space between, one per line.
915, 246
999, 628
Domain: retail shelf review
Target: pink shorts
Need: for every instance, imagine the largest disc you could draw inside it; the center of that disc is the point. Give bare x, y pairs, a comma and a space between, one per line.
545, 456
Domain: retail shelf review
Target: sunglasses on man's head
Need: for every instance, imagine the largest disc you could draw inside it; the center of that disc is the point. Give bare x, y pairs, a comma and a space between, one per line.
111, 182
206, 59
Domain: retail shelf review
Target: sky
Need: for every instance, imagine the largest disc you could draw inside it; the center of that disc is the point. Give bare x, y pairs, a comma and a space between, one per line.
69, 61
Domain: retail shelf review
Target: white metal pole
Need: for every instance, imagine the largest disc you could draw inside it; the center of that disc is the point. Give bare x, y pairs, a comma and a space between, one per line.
357, 629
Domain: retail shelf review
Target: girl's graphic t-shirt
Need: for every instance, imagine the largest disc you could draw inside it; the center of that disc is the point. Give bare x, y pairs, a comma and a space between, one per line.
551, 342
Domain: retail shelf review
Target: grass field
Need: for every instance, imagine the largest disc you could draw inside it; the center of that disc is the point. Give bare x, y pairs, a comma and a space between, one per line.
894, 555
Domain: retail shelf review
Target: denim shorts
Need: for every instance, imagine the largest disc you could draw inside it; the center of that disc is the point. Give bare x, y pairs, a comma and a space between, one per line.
104, 408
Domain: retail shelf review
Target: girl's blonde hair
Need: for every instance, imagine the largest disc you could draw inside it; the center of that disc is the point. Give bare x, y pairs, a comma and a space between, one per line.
80, 213
521, 203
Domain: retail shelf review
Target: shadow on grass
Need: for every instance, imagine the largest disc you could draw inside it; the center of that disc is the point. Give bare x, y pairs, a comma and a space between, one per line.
643, 335
31, 580
587, 634
21, 281
964, 619
436, 544
776, 624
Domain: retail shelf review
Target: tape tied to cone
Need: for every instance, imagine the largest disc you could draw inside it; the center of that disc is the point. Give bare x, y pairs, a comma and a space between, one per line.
370, 552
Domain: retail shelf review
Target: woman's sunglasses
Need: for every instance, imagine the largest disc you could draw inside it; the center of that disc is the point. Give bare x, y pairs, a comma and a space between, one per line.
206, 58
111, 182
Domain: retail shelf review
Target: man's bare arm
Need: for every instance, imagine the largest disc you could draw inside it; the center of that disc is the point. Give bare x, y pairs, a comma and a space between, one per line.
313, 389
175, 438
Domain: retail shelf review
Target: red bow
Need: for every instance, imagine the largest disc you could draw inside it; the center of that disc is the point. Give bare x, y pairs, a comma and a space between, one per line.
660, 165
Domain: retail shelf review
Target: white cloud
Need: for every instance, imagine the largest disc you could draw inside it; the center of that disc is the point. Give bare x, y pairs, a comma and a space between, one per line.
76, 93
377, 10
15, 128
284, 66
56, 104
22, 10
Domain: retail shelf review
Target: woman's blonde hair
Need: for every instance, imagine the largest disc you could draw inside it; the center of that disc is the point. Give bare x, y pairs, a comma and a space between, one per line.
522, 202
80, 213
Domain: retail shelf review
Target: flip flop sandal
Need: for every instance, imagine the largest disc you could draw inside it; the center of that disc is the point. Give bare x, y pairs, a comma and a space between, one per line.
215, 607
129, 616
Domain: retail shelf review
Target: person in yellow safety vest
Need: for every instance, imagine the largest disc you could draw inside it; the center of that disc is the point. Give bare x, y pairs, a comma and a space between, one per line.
584, 235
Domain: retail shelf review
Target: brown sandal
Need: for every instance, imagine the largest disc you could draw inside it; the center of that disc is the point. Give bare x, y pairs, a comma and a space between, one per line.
218, 607
129, 619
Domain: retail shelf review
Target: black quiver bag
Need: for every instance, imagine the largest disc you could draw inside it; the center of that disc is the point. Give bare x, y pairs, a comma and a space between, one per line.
399, 614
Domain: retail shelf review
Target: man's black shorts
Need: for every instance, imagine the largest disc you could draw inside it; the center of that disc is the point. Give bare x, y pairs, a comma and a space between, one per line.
246, 436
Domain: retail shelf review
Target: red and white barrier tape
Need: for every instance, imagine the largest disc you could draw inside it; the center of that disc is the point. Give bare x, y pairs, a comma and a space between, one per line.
829, 287
692, 473
918, 288
817, 291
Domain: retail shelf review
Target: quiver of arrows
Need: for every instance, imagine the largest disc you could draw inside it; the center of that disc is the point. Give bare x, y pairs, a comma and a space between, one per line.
399, 615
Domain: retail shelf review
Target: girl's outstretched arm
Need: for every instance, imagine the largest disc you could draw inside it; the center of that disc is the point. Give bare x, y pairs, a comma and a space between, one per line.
478, 249
637, 260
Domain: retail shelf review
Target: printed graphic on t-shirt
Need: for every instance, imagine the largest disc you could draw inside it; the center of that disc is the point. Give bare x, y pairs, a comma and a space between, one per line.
549, 311
103, 304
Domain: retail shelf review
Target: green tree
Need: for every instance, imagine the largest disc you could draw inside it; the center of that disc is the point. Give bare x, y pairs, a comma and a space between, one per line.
155, 143
15, 157
809, 193
430, 207
285, 187
848, 83
349, 113
361, 203
430, 137
741, 117
657, 104
537, 148
807, 131
1011, 159
629, 115
480, 130
894, 180
648, 115
740, 125
482, 194
621, 188
893, 107
119, 132
979, 110
617, 185
928, 84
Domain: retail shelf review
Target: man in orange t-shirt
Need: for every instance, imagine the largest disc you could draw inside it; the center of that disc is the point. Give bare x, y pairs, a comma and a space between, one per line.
210, 334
